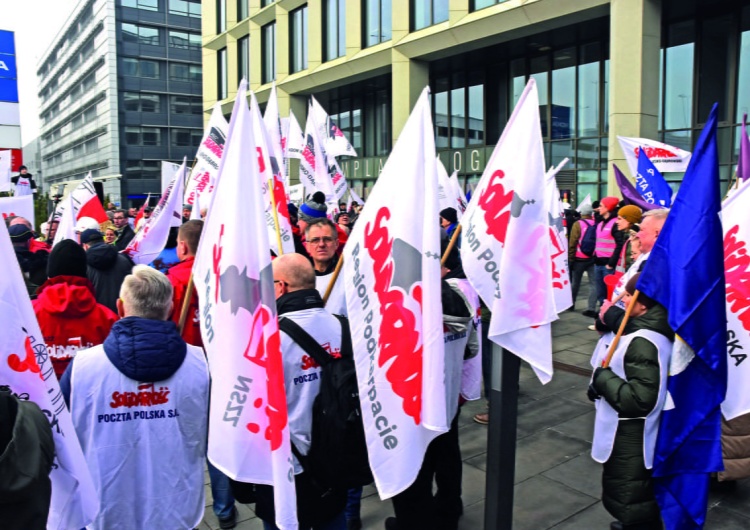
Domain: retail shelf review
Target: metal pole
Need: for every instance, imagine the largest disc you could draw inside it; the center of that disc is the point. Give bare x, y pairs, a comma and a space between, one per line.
501, 440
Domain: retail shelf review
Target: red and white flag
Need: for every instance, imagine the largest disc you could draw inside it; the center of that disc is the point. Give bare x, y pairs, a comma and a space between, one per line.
150, 240
313, 164
392, 272
22, 206
293, 140
26, 369
270, 181
275, 136
449, 191
248, 425
558, 242
666, 158
85, 203
737, 274
505, 249
203, 176
334, 141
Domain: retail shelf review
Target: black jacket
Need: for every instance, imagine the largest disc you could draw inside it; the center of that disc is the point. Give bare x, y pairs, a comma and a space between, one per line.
124, 236
107, 269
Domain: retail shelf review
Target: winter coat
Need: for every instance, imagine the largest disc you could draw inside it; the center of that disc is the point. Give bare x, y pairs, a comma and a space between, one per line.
735, 447
34, 268
70, 318
107, 269
179, 276
27, 452
627, 489
124, 236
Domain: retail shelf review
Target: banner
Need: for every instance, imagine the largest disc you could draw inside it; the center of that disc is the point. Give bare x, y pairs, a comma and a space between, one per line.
293, 139
248, 425
19, 207
67, 227
6, 159
26, 369
275, 137
150, 240
666, 158
313, 166
334, 141
203, 175
168, 169
392, 273
296, 194
449, 191
629, 193
650, 184
505, 250
558, 242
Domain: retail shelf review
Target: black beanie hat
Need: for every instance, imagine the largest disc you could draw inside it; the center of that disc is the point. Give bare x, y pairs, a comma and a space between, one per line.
67, 259
450, 215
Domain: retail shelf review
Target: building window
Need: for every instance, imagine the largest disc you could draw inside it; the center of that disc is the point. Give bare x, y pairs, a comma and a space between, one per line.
184, 40
242, 11
146, 5
298, 37
264, 3
141, 68
185, 105
141, 34
185, 72
141, 102
334, 29
221, 16
185, 137
377, 24
268, 36
481, 4
145, 136
243, 57
221, 70
426, 13
458, 104
142, 169
185, 8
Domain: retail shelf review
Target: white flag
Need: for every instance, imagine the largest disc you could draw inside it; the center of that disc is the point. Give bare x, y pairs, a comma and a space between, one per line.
313, 166
449, 191
67, 227
150, 240
168, 169
195, 213
248, 424
275, 137
665, 158
203, 176
85, 203
737, 275
5, 169
293, 139
335, 143
22, 206
392, 273
505, 250
26, 369
558, 243
353, 197
296, 194
585, 202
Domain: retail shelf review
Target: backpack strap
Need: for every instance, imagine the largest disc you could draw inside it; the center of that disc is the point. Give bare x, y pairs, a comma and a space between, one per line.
304, 340
346, 337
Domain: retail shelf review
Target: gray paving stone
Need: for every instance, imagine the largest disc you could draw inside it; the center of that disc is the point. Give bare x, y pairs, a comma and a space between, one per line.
473, 518
473, 440
581, 427
473, 484
251, 524
739, 500
564, 342
540, 503
573, 358
539, 452
560, 381
721, 518
595, 517
544, 413
580, 473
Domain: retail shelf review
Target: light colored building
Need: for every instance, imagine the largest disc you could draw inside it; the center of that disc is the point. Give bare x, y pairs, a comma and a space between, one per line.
120, 91
32, 159
639, 68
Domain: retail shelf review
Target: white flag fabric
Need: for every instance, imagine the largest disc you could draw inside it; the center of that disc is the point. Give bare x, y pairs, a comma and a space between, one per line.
449, 191
195, 213
85, 203
6, 160
150, 240
248, 425
334, 141
558, 243
737, 275
67, 219
168, 169
293, 139
505, 251
297, 194
203, 175
666, 158
392, 273
269, 178
313, 165
26, 369
22, 206
585, 202
275, 137
353, 197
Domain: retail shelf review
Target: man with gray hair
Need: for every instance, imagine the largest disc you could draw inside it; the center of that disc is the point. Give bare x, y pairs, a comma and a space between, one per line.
139, 404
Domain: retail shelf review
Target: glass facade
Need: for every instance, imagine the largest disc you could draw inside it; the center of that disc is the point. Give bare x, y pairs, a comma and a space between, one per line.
242, 9
481, 4
243, 58
141, 34
298, 39
427, 13
268, 66
376, 25
334, 29
221, 72
146, 5
185, 8
221, 16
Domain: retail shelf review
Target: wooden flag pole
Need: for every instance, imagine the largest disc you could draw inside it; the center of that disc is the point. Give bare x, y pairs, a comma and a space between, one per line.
613, 346
275, 216
334, 277
186, 304
451, 244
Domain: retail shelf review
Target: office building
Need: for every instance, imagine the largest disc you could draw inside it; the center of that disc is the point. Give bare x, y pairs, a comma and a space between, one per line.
120, 91
638, 68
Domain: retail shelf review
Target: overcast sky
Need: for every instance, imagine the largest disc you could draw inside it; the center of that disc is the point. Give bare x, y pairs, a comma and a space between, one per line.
35, 23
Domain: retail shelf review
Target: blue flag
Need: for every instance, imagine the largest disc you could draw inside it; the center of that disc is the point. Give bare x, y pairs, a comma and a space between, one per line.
685, 273
650, 184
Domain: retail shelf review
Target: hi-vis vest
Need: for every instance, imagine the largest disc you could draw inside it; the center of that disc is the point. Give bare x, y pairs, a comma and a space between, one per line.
605, 241
586, 224
607, 419
145, 443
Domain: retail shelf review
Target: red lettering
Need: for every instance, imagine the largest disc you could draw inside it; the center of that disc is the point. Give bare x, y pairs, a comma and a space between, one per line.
496, 205
261, 162
736, 262
309, 156
28, 363
147, 396
217, 263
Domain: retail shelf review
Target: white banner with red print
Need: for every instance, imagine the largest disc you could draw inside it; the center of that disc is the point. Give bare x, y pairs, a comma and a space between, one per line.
22, 206
666, 158
202, 177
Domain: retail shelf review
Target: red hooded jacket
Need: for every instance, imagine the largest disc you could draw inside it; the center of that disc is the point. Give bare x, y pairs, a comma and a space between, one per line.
179, 276
70, 318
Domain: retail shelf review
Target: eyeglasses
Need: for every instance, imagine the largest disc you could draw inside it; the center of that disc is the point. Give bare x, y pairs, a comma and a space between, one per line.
319, 240
282, 282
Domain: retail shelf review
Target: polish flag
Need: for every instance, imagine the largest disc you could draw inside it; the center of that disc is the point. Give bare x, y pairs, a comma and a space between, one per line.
85, 203
392, 273
506, 245
248, 436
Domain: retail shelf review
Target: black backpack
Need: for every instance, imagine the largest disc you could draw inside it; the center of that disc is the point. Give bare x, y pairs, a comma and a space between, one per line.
338, 449
588, 241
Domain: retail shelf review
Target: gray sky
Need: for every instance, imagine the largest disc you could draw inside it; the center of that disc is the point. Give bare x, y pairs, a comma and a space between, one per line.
35, 23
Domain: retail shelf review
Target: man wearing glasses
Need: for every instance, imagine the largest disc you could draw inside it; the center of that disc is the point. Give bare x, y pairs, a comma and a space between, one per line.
322, 242
124, 231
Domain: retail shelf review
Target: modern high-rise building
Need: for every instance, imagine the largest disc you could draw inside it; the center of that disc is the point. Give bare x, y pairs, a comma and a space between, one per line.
638, 68
120, 91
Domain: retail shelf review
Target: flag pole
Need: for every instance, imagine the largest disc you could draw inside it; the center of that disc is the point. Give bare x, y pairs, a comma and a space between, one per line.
275, 216
613, 346
186, 304
334, 277
451, 244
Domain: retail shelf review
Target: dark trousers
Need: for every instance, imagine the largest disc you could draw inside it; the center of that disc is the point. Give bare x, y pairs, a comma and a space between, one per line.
577, 269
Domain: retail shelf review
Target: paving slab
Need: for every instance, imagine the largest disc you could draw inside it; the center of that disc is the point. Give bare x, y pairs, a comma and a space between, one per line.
581, 473
540, 503
548, 412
